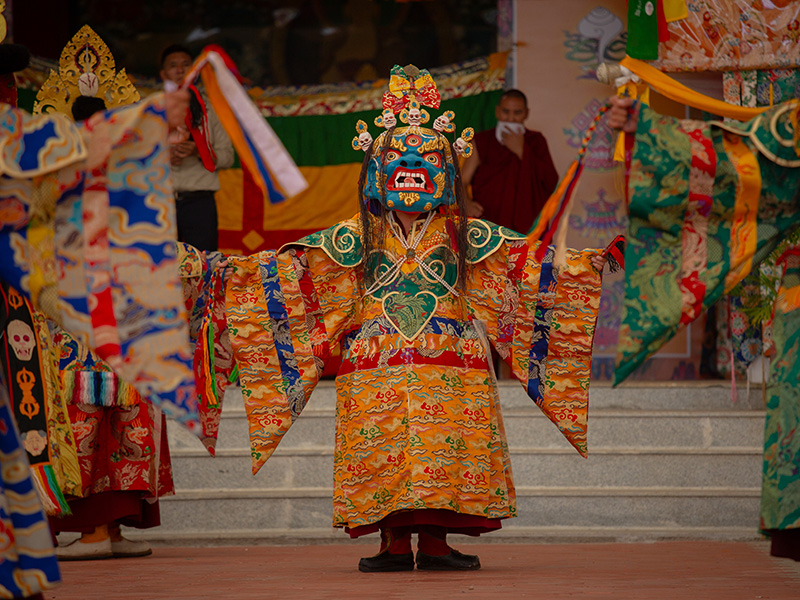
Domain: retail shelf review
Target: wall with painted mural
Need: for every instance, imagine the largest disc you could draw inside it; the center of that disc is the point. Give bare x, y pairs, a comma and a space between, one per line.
557, 56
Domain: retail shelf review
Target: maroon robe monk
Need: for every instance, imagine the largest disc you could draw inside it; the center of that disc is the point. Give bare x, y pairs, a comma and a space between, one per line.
513, 191
511, 180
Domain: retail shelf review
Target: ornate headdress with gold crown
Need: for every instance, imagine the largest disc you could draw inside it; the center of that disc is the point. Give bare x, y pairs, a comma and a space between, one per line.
86, 68
409, 165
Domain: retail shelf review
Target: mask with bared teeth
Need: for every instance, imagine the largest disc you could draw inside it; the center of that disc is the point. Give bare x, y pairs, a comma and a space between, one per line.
411, 170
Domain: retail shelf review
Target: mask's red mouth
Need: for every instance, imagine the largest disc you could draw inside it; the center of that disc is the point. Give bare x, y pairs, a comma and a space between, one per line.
410, 180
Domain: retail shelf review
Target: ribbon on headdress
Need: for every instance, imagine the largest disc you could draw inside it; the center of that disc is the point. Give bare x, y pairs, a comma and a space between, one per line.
259, 149
402, 88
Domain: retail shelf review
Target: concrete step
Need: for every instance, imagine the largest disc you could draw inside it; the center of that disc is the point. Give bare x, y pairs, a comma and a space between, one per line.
529, 427
665, 461
672, 467
695, 395
547, 534
679, 395
537, 507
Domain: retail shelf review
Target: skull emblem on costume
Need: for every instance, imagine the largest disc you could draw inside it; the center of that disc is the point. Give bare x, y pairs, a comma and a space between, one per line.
414, 117
365, 141
444, 122
386, 119
21, 338
460, 146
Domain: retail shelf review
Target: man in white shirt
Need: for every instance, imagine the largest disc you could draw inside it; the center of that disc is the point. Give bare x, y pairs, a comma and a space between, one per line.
196, 156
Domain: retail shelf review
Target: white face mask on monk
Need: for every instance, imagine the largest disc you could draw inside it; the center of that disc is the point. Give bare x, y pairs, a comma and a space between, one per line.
508, 126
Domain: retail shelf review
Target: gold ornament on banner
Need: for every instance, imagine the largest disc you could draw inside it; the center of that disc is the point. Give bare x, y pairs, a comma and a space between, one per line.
14, 299
28, 405
86, 68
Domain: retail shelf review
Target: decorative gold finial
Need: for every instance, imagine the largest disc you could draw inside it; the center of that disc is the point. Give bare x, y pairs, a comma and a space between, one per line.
87, 68
411, 71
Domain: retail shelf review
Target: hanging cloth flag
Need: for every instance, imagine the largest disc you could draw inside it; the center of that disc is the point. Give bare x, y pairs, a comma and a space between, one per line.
643, 29
663, 26
675, 10
259, 149
24, 364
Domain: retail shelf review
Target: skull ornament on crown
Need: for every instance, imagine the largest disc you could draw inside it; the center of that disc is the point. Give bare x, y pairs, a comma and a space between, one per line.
21, 338
411, 168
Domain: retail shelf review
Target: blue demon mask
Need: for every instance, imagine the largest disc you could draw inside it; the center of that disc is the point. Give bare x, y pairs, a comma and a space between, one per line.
411, 171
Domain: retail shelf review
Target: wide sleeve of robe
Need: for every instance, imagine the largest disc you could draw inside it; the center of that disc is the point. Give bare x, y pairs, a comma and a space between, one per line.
87, 231
541, 320
708, 202
285, 311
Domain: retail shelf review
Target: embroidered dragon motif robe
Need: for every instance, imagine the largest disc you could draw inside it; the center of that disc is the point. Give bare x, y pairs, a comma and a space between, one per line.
418, 419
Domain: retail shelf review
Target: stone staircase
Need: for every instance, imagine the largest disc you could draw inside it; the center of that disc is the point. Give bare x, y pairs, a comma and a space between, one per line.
665, 461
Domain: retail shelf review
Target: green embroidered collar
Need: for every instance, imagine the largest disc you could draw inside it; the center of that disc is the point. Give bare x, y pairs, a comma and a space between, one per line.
342, 242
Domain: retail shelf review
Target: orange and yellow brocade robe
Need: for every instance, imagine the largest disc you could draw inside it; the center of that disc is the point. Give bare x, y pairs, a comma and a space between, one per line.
418, 421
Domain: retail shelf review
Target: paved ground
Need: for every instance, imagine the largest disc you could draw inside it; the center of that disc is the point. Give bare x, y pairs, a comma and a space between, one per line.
654, 571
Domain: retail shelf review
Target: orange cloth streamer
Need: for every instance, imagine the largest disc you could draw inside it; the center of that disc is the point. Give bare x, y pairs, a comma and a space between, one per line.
667, 86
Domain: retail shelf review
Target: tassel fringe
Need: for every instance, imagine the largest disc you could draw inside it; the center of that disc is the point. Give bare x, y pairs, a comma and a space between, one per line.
209, 388
53, 500
206, 382
97, 388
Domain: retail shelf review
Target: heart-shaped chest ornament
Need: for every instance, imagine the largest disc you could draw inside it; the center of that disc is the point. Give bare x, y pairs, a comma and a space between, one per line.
409, 313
